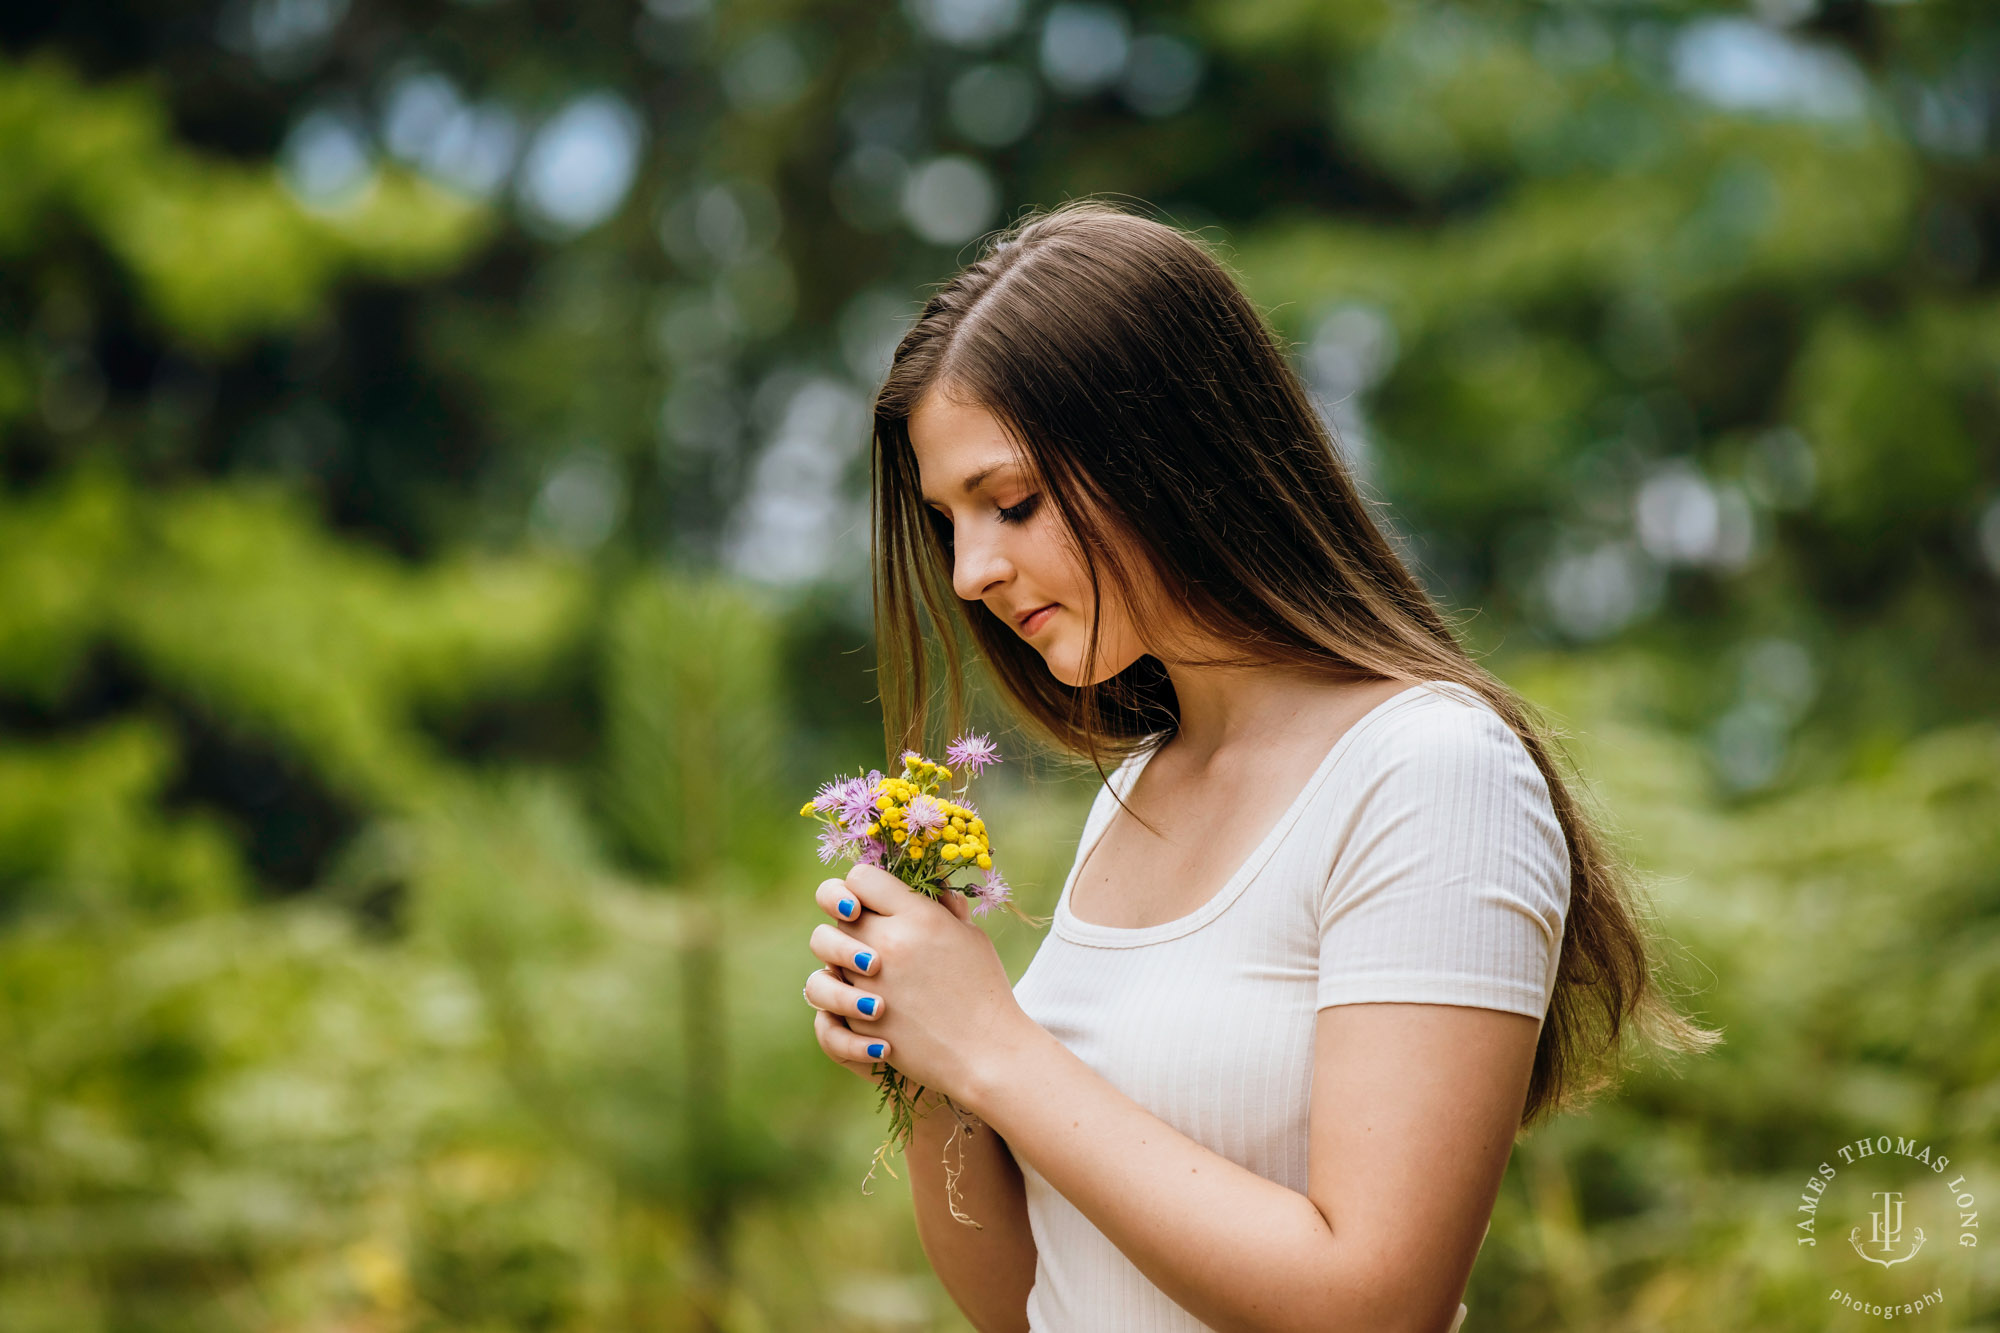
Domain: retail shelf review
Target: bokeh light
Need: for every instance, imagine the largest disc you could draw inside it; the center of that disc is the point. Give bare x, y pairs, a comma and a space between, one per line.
581, 163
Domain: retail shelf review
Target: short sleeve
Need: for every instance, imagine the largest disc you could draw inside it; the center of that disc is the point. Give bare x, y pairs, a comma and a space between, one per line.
1449, 878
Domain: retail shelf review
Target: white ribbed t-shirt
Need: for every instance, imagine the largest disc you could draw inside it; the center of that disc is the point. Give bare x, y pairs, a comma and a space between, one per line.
1421, 862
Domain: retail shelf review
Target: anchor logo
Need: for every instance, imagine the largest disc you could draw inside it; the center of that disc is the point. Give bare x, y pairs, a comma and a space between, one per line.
1886, 1230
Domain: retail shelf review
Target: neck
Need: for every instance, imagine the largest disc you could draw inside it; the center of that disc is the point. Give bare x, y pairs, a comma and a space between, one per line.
1230, 707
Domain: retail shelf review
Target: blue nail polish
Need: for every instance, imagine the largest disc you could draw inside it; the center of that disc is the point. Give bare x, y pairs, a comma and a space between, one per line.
847, 907
866, 1004
875, 1050
862, 960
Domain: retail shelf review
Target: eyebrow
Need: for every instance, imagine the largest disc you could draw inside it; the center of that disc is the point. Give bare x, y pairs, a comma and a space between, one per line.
973, 482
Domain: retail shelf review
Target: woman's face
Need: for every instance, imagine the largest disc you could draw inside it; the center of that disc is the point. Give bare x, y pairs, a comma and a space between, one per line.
1009, 546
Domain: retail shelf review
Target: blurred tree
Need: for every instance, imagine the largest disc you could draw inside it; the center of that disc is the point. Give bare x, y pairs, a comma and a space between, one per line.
1661, 321
1666, 355
692, 740
381, 828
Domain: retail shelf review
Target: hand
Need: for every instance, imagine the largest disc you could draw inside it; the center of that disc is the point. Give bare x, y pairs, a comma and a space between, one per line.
939, 995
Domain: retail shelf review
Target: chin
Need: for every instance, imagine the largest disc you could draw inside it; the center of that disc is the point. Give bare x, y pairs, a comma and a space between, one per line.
1065, 663
1063, 669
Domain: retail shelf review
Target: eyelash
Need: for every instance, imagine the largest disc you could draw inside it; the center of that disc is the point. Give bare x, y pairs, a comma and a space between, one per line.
1021, 512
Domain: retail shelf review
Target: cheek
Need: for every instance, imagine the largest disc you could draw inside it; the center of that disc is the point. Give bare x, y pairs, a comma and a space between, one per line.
1058, 567
1119, 642
1055, 568
1048, 566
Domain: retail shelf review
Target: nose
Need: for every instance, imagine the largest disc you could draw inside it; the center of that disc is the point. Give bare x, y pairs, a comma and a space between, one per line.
978, 565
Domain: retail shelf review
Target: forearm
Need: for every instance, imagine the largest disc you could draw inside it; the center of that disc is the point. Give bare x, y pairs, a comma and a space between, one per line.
987, 1270
1236, 1250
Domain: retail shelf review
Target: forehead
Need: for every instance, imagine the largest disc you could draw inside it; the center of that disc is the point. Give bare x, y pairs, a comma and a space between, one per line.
954, 441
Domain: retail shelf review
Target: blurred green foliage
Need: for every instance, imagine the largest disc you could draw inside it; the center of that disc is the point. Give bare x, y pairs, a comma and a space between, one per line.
432, 523
215, 252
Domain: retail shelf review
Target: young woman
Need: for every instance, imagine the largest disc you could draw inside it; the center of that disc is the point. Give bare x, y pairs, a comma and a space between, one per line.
1337, 928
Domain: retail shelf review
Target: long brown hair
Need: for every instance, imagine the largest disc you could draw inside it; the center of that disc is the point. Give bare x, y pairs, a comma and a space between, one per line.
1168, 427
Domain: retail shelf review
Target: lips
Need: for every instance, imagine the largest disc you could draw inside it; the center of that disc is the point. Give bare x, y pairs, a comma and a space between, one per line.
1035, 619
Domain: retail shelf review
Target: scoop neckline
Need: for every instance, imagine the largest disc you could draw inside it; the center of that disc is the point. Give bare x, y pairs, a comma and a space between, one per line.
1077, 930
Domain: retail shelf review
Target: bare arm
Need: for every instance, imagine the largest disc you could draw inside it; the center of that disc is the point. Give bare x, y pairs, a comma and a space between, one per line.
987, 1270
1414, 1111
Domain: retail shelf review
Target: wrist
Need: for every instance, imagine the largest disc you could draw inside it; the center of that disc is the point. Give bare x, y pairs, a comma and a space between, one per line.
938, 1115
1001, 1069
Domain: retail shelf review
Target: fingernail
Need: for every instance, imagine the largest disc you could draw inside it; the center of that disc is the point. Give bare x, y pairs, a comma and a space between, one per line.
862, 960
875, 1049
866, 1004
847, 907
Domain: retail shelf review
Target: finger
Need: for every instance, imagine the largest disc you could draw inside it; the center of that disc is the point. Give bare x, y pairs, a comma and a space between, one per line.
960, 905
832, 945
846, 1045
825, 1025
806, 990
836, 899
880, 891
828, 994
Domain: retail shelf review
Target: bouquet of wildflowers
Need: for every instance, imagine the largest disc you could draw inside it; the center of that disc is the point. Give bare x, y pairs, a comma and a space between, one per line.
920, 828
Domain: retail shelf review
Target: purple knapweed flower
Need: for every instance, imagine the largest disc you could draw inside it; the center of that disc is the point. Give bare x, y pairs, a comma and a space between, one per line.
834, 843
972, 752
828, 796
924, 815
856, 806
989, 892
872, 851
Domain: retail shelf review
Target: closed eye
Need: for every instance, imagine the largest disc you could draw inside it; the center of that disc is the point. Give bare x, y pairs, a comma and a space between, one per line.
1023, 511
